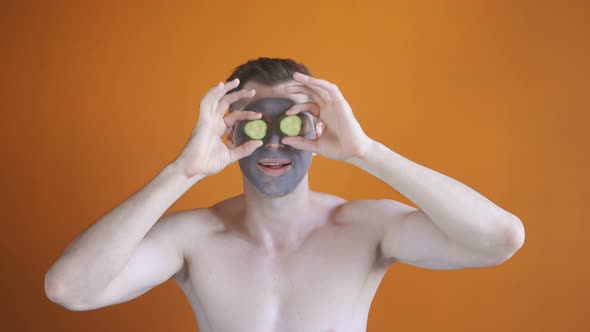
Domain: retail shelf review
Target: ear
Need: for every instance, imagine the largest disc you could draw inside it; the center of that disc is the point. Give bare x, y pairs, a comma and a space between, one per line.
319, 129
229, 135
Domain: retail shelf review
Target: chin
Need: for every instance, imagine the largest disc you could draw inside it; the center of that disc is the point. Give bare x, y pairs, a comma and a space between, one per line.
276, 192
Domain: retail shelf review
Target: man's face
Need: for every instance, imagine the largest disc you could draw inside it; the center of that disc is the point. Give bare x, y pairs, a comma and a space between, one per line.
274, 169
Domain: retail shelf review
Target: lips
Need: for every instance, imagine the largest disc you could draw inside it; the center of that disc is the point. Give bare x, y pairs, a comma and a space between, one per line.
274, 166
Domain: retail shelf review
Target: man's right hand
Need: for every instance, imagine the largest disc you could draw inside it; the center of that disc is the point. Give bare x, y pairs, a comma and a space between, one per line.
205, 153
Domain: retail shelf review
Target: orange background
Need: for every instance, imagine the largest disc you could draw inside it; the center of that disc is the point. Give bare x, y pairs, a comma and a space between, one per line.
97, 97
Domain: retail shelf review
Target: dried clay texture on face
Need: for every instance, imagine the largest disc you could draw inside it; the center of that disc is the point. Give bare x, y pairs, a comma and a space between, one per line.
273, 110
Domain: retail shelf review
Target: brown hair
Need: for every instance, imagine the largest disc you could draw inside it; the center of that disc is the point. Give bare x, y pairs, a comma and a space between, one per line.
266, 71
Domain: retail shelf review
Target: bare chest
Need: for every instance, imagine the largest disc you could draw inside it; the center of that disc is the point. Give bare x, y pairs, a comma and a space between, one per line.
325, 285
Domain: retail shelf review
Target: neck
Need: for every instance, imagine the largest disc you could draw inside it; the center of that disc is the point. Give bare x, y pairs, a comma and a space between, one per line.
279, 223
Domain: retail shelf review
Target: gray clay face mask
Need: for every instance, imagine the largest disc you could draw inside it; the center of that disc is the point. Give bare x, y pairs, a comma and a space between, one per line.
275, 169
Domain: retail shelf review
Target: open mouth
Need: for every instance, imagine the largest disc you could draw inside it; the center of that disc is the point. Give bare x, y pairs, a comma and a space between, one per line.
274, 167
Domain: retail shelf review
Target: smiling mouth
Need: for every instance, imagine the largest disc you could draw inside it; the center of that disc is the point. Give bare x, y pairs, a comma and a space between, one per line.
274, 165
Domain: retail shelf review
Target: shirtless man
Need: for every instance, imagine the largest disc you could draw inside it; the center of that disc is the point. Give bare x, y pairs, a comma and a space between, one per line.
279, 258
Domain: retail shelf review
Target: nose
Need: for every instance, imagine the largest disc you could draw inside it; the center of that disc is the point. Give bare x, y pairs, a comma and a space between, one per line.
273, 141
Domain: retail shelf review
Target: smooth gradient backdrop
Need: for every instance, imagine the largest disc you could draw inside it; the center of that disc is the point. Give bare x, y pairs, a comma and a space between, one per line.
98, 96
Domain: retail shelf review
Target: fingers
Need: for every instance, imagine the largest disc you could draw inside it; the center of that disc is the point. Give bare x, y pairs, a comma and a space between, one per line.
310, 107
329, 87
233, 97
306, 81
224, 88
244, 150
213, 96
301, 143
236, 116
329, 91
306, 90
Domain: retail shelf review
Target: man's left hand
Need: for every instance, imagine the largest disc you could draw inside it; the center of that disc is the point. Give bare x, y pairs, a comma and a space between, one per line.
342, 138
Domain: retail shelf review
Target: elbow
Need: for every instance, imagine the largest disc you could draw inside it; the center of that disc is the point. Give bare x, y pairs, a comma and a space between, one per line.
512, 239
53, 290
56, 293
517, 234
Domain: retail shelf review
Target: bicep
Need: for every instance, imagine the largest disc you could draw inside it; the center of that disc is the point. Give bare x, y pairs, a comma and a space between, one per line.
156, 259
415, 240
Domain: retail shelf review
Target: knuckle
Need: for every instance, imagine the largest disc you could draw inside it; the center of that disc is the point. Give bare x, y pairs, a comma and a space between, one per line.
228, 117
210, 91
226, 100
222, 105
213, 90
322, 81
233, 96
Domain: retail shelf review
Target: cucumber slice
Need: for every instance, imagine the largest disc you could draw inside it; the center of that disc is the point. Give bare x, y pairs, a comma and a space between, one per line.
255, 129
291, 125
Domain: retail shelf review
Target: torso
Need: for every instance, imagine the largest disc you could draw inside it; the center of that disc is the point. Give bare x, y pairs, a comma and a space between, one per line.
326, 285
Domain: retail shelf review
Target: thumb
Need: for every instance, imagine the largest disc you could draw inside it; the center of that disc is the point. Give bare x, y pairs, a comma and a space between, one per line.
244, 150
301, 143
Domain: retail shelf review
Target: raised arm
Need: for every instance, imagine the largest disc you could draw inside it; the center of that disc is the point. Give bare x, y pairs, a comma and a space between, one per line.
125, 252
454, 226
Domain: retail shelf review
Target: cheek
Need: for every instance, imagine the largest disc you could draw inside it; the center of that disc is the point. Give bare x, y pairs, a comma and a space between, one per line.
239, 136
303, 157
307, 129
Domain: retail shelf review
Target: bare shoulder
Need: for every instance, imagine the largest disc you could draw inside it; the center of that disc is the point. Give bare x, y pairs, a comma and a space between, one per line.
328, 204
199, 219
183, 226
205, 221
378, 212
370, 218
228, 210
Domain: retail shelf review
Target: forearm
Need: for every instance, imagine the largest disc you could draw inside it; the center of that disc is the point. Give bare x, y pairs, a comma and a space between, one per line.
101, 252
458, 211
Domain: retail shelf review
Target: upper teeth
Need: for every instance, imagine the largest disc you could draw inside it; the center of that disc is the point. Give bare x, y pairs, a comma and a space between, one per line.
272, 164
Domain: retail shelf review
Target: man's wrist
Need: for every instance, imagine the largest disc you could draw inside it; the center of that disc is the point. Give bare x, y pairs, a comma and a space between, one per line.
178, 169
370, 148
